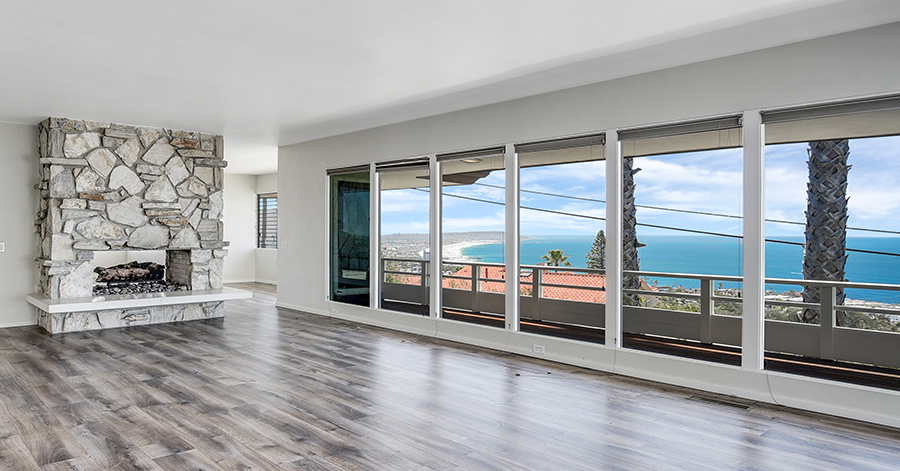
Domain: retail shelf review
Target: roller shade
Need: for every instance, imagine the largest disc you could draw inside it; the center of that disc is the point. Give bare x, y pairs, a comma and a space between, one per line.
715, 133
466, 168
472, 154
872, 117
346, 170
562, 151
403, 174
402, 164
830, 110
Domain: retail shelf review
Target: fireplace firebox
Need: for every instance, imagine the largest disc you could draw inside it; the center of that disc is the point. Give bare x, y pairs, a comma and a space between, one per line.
134, 278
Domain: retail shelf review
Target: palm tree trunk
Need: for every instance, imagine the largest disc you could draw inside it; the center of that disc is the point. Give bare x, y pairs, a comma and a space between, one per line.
826, 220
630, 258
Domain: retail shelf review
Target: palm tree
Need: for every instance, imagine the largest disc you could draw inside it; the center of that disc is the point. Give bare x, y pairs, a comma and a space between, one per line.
555, 257
630, 258
824, 252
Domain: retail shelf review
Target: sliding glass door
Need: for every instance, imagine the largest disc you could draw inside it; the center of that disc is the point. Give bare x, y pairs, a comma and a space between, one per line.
350, 238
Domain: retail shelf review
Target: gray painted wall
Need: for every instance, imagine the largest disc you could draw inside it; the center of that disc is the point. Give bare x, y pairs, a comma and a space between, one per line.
855, 64
863, 63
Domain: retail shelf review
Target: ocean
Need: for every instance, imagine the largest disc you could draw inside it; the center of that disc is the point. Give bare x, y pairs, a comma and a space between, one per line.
710, 255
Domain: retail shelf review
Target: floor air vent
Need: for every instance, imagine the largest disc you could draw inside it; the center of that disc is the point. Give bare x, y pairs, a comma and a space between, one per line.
719, 402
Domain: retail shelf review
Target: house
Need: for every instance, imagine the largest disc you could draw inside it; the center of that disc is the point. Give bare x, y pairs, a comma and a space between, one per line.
332, 94
592, 280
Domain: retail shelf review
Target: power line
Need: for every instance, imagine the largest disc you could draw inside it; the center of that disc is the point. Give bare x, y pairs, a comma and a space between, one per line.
686, 211
583, 216
678, 229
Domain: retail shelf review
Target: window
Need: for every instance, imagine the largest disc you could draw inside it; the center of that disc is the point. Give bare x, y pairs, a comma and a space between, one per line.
562, 216
831, 177
473, 186
267, 221
682, 229
405, 209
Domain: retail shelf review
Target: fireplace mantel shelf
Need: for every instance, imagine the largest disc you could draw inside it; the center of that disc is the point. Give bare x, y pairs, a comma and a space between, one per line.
129, 301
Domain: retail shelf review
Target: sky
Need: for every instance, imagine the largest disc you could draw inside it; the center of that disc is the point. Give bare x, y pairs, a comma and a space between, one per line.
872, 186
708, 181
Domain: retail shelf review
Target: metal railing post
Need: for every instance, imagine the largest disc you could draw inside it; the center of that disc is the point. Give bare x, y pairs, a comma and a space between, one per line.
476, 280
707, 307
424, 270
826, 321
536, 288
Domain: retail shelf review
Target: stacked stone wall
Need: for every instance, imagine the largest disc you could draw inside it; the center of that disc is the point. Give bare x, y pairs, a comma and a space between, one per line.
108, 186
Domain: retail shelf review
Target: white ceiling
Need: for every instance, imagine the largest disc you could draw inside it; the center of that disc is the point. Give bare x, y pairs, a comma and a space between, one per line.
272, 72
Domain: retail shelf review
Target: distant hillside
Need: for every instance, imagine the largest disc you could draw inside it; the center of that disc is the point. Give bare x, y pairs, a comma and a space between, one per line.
448, 237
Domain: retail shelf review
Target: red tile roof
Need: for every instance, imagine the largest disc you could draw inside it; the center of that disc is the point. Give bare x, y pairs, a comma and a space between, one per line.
548, 276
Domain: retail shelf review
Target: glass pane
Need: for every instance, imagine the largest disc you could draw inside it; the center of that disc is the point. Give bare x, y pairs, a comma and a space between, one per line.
404, 239
682, 228
831, 216
473, 224
350, 238
859, 244
562, 216
687, 216
267, 222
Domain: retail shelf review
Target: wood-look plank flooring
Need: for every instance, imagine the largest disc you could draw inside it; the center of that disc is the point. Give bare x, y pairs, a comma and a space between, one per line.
267, 388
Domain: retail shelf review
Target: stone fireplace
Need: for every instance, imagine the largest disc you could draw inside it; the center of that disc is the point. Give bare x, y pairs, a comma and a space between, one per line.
108, 186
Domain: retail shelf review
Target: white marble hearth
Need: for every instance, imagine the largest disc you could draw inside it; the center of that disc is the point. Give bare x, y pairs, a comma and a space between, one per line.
104, 312
128, 301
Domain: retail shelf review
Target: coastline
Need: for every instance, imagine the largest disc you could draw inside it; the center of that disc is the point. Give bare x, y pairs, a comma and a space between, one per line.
454, 252
681, 254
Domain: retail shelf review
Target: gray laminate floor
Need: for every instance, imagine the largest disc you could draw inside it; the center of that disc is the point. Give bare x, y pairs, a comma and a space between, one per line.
277, 389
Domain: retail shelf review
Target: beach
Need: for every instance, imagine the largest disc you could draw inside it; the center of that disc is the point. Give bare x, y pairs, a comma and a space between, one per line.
454, 252
413, 246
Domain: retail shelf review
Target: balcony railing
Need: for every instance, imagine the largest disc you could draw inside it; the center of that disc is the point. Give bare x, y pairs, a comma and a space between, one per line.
479, 287
828, 340
405, 280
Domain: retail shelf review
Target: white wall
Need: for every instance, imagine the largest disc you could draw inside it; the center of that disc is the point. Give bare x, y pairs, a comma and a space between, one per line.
849, 65
18, 270
267, 266
245, 262
239, 218
267, 259
267, 183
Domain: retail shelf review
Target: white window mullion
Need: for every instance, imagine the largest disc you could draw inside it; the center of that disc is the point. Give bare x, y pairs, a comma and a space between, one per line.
434, 224
511, 248
613, 240
753, 317
375, 263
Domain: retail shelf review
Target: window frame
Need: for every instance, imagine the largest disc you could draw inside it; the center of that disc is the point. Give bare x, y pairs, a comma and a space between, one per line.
263, 221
